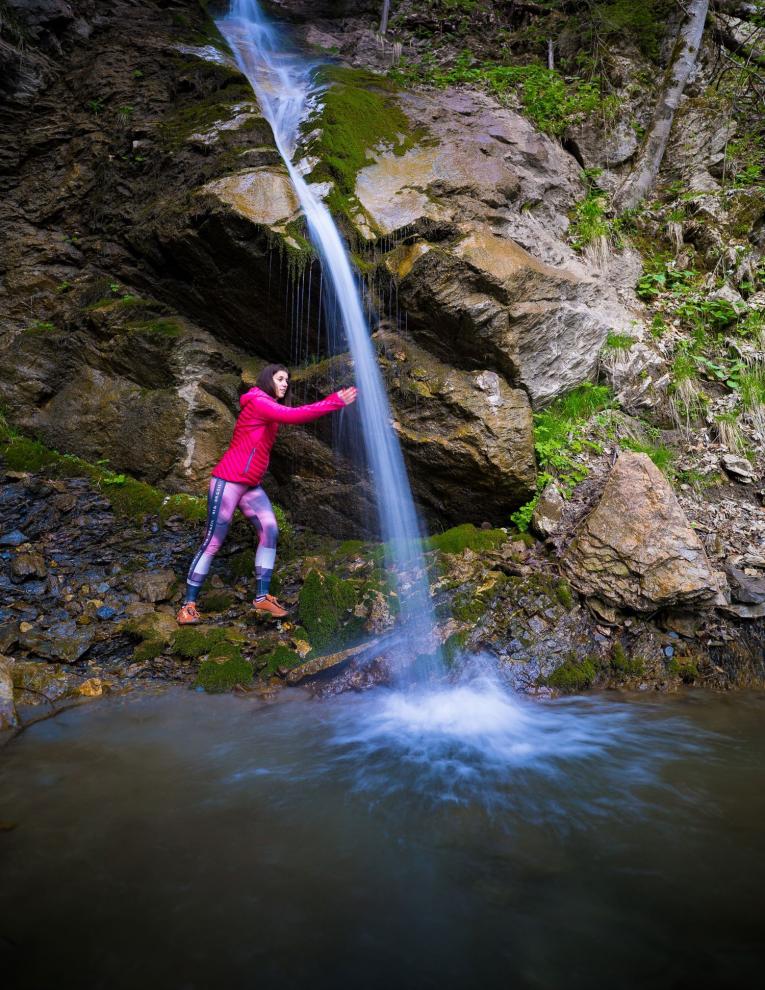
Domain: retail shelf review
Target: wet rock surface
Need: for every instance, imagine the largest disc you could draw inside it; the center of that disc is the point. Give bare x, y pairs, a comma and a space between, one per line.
90, 627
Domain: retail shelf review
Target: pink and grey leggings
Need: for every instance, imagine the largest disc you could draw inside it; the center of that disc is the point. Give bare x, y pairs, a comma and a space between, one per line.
222, 501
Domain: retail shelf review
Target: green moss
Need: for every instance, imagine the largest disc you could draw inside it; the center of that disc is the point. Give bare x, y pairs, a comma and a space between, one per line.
23, 454
573, 675
564, 595
359, 113
350, 548
128, 496
683, 667
191, 642
282, 658
468, 607
453, 646
225, 669
149, 649
162, 327
624, 665
323, 606
466, 536
40, 326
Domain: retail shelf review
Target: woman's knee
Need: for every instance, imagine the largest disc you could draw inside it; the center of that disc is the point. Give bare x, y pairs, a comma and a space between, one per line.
269, 531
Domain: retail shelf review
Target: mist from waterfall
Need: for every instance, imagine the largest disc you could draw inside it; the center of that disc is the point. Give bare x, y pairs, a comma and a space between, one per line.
283, 81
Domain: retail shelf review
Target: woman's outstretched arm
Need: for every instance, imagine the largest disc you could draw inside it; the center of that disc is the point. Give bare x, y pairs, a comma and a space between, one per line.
271, 410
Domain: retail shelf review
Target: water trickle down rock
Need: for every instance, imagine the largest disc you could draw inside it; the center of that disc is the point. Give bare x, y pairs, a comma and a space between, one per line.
636, 549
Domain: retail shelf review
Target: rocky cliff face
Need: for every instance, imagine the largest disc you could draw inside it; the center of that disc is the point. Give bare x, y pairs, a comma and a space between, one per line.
154, 250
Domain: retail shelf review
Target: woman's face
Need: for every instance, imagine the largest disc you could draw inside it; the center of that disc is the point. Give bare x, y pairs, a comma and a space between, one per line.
281, 383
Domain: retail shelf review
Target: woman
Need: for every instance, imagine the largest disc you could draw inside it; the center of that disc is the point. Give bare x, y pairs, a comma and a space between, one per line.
236, 480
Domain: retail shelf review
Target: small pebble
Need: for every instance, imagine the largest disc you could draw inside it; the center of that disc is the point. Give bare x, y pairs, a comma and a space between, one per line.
13, 539
669, 651
106, 612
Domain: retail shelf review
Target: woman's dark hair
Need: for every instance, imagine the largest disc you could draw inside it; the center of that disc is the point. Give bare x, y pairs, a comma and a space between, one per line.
265, 381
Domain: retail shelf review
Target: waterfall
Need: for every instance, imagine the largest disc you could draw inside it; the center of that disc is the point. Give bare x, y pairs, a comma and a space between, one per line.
283, 83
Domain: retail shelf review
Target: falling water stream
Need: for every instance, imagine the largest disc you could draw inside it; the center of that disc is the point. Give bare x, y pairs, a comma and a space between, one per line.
283, 81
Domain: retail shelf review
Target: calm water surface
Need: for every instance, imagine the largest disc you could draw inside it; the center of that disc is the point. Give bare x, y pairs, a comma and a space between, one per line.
456, 838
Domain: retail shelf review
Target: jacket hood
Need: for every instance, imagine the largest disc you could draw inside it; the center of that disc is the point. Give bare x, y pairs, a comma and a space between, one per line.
253, 393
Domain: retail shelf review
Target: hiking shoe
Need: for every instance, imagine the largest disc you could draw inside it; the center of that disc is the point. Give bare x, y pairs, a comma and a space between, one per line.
188, 615
269, 606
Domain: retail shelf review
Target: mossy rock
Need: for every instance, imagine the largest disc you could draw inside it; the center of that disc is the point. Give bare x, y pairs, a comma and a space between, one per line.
573, 675
225, 669
359, 113
564, 594
685, 668
128, 497
453, 646
282, 658
323, 606
149, 649
193, 642
624, 665
467, 537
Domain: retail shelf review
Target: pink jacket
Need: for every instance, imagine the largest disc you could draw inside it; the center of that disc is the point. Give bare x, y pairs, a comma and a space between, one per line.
246, 460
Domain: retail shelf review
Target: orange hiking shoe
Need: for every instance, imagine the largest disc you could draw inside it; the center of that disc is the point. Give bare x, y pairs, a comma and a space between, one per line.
188, 615
269, 606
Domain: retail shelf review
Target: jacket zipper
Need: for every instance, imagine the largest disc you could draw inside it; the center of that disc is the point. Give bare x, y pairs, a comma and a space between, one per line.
249, 460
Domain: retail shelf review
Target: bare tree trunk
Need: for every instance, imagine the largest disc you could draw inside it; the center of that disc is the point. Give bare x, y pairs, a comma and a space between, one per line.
385, 15
550, 55
685, 54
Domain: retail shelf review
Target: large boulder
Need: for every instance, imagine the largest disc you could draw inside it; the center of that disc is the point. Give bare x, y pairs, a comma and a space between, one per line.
466, 436
480, 296
485, 274
636, 549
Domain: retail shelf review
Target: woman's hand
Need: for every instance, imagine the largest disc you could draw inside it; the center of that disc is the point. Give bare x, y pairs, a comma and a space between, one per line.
348, 395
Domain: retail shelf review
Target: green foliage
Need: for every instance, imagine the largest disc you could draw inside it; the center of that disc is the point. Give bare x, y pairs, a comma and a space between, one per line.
521, 518
588, 219
39, 326
323, 606
225, 669
549, 100
466, 536
752, 386
745, 161
559, 432
643, 24
573, 675
618, 342
659, 278
663, 457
